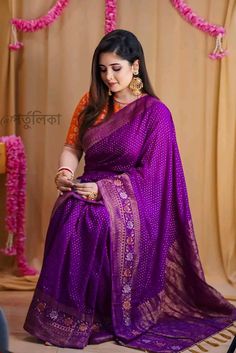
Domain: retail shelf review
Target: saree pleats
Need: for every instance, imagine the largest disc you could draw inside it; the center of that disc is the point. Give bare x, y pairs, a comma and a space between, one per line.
75, 277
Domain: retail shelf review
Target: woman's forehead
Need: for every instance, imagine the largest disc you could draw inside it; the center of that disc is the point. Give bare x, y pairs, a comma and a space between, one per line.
110, 59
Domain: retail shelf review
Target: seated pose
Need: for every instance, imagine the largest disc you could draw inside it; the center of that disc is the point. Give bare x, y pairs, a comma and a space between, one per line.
121, 260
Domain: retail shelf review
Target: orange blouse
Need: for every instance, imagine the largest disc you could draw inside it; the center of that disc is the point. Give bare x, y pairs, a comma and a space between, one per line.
72, 139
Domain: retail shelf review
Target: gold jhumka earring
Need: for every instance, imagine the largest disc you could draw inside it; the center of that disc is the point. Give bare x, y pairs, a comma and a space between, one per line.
136, 85
109, 92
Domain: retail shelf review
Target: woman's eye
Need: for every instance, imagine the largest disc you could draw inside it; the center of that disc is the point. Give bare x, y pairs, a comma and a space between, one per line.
102, 69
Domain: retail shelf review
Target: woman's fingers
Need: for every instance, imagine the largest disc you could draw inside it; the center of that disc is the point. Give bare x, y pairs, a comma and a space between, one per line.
86, 188
83, 189
81, 192
64, 188
83, 185
64, 184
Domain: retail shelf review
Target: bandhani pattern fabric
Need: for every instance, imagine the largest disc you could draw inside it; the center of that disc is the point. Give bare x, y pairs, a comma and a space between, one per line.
126, 267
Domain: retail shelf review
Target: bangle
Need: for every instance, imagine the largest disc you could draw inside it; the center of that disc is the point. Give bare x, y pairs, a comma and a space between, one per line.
61, 171
65, 168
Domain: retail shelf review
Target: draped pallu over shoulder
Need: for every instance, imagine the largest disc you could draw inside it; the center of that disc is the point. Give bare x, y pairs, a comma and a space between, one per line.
149, 292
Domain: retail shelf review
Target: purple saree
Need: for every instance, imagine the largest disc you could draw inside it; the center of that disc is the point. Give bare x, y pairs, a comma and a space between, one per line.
127, 268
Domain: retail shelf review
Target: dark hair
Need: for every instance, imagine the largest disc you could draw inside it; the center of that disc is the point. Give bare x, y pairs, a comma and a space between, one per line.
126, 45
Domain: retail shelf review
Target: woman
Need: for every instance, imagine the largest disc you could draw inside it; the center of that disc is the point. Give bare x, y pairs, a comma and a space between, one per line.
121, 261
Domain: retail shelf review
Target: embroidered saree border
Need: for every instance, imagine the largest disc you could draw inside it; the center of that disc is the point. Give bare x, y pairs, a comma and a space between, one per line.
62, 320
168, 303
121, 204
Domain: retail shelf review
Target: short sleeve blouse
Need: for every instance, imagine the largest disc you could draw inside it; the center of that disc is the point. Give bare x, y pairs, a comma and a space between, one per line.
72, 138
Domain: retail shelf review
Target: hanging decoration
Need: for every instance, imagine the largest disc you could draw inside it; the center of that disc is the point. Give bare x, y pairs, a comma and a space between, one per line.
35, 24
216, 31
15, 202
110, 15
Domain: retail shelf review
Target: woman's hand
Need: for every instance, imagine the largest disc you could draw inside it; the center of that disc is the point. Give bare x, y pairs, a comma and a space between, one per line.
87, 190
63, 181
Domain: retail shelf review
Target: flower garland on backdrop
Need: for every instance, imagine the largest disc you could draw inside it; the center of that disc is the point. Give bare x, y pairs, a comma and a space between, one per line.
35, 24
15, 202
110, 23
216, 31
110, 15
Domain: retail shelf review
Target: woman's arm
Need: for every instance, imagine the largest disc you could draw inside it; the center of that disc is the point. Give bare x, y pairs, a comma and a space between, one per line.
72, 151
68, 162
70, 158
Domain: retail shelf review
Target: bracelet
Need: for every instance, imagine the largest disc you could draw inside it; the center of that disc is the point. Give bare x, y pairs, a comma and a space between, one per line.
62, 172
65, 168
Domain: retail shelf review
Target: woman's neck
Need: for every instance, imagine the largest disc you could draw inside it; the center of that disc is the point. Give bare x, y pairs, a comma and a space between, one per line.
125, 97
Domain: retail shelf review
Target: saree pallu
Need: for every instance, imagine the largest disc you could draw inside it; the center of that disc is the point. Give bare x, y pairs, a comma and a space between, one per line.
126, 267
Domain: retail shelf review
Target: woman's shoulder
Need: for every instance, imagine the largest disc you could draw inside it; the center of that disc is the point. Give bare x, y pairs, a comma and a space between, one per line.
83, 102
154, 103
84, 99
158, 111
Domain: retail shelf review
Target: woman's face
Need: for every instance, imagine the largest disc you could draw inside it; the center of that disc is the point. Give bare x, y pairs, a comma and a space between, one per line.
116, 72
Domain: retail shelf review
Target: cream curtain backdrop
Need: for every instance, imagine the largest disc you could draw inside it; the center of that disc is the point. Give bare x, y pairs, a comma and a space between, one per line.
53, 70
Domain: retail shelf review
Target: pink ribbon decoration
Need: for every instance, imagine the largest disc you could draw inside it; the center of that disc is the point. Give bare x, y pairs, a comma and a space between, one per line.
216, 31
15, 202
110, 15
36, 24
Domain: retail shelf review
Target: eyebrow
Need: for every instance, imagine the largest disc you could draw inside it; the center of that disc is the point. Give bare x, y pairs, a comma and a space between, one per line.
109, 65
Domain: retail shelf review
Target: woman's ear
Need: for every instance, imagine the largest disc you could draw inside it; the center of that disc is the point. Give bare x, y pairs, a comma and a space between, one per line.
135, 66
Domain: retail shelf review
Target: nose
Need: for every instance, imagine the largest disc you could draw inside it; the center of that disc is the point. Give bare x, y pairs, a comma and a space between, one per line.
109, 75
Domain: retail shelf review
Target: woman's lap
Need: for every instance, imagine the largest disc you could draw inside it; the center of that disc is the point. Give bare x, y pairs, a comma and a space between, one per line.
75, 280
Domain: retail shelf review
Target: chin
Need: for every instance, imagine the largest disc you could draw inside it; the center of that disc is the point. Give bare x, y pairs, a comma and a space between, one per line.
118, 90
115, 90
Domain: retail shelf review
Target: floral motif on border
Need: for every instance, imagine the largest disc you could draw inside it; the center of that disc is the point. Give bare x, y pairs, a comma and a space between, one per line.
129, 249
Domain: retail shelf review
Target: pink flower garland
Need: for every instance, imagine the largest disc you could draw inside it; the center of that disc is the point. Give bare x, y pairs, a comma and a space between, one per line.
216, 31
15, 203
36, 24
110, 15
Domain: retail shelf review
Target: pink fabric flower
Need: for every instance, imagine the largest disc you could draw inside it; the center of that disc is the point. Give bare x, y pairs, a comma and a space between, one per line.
41, 22
216, 31
15, 202
36, 24
221, 55
110, 15
16, 46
